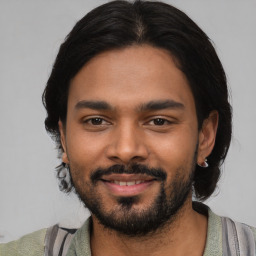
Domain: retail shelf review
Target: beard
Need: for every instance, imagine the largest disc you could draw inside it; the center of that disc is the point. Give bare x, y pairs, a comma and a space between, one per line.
124, 217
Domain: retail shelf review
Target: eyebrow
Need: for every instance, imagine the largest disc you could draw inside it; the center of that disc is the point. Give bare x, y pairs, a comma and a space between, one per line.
161, 104
149, 106
96, 105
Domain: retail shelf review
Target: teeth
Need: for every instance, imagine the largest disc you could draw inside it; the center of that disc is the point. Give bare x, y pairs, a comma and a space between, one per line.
128, 183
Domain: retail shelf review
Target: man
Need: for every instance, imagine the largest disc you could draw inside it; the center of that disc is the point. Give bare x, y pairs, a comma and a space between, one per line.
137, 102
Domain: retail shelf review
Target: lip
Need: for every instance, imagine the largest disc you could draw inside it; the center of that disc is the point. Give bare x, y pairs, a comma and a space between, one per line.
124, 190
126, 177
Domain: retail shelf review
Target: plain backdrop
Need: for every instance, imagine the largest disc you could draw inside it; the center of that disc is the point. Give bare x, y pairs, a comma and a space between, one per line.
31, 32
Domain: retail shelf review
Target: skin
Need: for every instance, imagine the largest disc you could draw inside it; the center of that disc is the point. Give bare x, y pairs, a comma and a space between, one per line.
128, 79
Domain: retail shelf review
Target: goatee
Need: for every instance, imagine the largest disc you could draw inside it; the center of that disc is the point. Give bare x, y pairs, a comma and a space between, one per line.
124, 218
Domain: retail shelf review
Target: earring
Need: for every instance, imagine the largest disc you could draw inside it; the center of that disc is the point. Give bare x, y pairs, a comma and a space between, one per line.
204, 164
63, 174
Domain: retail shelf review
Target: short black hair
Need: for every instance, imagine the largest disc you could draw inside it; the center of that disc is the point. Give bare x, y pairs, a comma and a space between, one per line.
119, 24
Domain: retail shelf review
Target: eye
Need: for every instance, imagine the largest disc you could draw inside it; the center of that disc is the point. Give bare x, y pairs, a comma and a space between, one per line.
96, 121
159, 121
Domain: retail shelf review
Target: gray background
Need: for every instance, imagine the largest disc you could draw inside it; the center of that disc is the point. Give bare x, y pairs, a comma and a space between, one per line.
31, 32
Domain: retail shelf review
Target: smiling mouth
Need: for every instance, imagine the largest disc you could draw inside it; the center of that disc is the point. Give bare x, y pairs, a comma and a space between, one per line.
127, 184
127, 179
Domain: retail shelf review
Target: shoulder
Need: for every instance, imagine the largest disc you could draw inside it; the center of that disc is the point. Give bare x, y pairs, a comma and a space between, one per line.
31, 244
42, 242
226, 237
238, 237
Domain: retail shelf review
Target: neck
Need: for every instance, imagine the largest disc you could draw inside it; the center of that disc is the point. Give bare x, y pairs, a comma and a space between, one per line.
185, 235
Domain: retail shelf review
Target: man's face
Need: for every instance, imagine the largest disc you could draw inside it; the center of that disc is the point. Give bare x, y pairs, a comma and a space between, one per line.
132, 111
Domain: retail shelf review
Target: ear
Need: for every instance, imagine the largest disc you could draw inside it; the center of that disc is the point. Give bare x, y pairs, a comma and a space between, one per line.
63, 142
207, 136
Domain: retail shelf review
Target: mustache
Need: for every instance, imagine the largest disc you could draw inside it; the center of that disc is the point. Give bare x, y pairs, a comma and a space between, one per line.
156, 173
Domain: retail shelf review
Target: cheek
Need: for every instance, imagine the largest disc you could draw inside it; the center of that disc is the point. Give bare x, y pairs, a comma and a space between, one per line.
174, 150
85, 149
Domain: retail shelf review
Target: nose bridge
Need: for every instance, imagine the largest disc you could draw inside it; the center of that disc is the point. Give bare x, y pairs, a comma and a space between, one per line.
127, 143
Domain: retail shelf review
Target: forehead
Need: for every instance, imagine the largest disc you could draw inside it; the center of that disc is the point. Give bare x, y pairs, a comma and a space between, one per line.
130, 76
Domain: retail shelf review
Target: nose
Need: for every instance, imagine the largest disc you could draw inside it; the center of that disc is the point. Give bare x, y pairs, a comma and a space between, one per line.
127, 145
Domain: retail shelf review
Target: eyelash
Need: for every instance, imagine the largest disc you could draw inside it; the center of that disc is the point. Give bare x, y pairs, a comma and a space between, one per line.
162, 121
99, 121
91, 120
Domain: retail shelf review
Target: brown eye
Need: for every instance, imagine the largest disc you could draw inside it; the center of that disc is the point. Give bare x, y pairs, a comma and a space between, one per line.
159, 121
95, 124
96, 121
